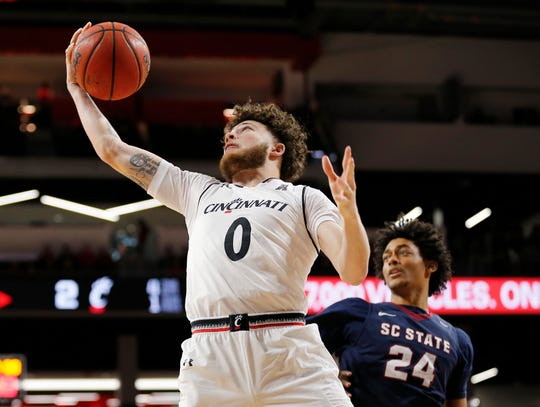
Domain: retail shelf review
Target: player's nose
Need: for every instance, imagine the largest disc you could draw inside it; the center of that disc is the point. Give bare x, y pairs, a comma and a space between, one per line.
392, 258
229, 136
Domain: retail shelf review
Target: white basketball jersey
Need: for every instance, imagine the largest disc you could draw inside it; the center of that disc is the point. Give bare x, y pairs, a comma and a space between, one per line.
250, 248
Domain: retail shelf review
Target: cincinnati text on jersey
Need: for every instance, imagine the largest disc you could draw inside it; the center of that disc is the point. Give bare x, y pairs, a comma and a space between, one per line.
241, 204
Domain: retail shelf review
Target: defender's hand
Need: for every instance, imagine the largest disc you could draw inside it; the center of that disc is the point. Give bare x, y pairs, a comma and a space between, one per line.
345, 377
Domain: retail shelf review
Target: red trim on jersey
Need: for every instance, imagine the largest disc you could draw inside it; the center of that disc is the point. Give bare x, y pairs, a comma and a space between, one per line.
204, 330
417, 316
258, 326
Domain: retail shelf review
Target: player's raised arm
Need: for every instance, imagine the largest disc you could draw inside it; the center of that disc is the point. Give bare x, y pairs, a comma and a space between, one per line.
135, 163
348, 247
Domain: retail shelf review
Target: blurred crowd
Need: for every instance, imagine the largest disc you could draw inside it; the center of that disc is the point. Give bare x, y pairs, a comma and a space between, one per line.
87, 261
141, 257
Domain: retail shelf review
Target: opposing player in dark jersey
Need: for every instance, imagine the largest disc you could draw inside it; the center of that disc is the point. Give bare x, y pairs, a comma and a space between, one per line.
398, 353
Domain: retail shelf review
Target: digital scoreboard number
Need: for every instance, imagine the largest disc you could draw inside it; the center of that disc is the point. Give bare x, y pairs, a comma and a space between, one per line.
154, 295
12, 374
94, 295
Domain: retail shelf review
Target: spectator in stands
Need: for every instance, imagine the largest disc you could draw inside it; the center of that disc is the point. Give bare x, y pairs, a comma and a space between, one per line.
45, 97
46, 259
12, 141
147, 247
531, 252
66, 259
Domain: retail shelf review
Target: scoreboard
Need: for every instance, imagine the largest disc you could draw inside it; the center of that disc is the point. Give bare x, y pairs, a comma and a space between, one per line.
100, 295
146, 296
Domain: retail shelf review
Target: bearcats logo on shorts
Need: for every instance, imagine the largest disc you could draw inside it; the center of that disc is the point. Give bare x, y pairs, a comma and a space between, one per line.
239, 322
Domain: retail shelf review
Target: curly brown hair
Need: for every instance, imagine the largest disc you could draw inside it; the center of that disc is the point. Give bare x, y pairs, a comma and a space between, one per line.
426, 237
282, 125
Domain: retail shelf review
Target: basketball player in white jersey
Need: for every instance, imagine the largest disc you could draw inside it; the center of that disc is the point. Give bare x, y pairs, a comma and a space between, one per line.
252, 242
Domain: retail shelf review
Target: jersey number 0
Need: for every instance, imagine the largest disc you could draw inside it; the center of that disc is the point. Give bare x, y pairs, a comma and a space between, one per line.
244, 224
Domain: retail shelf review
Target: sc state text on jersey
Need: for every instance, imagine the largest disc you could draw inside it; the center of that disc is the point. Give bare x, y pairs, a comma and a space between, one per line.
412, 335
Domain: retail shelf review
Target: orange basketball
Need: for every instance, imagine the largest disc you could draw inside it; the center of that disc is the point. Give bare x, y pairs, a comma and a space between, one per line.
111, 61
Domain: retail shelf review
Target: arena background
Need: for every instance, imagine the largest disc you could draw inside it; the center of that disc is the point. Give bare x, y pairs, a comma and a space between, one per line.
439, 100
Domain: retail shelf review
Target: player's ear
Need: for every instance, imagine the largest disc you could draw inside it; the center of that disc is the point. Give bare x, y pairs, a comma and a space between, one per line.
432, 266
278, 149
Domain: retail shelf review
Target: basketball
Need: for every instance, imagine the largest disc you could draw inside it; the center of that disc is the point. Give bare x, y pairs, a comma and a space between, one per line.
111, 61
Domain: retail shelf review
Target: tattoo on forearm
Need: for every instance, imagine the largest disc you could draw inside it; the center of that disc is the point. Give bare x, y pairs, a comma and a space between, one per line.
143, 166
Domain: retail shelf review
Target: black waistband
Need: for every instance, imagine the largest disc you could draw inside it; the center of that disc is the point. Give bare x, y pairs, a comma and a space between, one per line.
245, 322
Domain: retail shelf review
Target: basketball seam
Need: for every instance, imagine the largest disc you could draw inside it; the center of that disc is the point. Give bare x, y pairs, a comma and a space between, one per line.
130, 45
102, 32
113, 65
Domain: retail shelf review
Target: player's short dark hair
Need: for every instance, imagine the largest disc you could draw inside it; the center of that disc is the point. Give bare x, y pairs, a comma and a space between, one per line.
430, 242
282, 125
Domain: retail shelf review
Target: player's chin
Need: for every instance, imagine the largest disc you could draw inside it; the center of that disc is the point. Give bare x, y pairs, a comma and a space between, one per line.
395, 282
232, 153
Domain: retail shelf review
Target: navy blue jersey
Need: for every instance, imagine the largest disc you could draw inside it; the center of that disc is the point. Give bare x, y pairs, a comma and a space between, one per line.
398, 355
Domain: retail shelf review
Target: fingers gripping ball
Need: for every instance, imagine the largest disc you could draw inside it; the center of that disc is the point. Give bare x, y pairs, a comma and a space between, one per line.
111, 61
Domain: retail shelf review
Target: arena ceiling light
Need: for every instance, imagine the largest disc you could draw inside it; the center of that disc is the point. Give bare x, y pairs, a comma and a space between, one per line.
477, 218
412, 214
158, 398
79, 208
485, 375
71, 384
19, 197
156, 383
135, 207
111, 214
61, 399
89, 384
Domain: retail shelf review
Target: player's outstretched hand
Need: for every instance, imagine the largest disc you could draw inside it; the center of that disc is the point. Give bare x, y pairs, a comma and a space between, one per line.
345, 377
343, 187
70, 73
